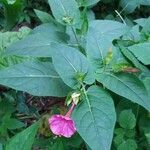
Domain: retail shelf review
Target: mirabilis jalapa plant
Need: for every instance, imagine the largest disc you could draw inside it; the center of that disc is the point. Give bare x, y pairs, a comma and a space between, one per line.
80, 57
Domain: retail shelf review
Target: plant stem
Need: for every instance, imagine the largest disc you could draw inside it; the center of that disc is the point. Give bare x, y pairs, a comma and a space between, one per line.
75, 35
70, 110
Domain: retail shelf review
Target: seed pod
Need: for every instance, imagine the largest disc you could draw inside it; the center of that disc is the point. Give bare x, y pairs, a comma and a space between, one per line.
131, 70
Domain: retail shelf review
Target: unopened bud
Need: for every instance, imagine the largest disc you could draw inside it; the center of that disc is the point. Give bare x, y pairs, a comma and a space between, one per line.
75, 97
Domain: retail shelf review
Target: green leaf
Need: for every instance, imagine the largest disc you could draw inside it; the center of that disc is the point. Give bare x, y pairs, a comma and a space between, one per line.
10, 123
147, 84
51, 27
145, 23
71, 65
24, 139
1, 146
133, 59
14, 124
44, 16
128, 145
100, 35
65, 12
6, 107
142, 52
36, 78
129, 6
126, 85
95, 118
87, 2
127, 119
36, 45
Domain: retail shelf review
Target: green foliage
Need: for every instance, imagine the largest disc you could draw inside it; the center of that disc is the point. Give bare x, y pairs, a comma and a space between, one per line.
35, 78
126, 85
142, 52
104, 60
67, 12
95, 118
43, 16
129, 6
100, 35
87, 2
24, 139
72, 66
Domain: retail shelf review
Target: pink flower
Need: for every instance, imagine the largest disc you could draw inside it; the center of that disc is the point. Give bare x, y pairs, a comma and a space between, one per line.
63, 125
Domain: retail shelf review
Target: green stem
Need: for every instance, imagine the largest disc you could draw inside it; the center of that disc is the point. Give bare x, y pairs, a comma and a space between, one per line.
82, 50
75, 35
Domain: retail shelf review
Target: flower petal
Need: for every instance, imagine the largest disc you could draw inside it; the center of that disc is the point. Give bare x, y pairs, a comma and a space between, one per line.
62, 125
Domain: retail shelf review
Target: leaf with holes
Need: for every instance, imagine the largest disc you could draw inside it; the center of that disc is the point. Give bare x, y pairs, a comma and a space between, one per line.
95, 118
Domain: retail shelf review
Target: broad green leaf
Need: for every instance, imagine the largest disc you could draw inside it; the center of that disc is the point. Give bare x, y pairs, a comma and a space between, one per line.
1, 146
9, 123
100, 35
133, 59
145, 2
87, 2
65, 12
145, 23
142, 52
44, 16
126, 85
36, 45
14, 124
133, 34
130, 5
49, 28
24, 139
142, 21
71, 64
6, 108
95, 118
127, 119
147, 84
36, 78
